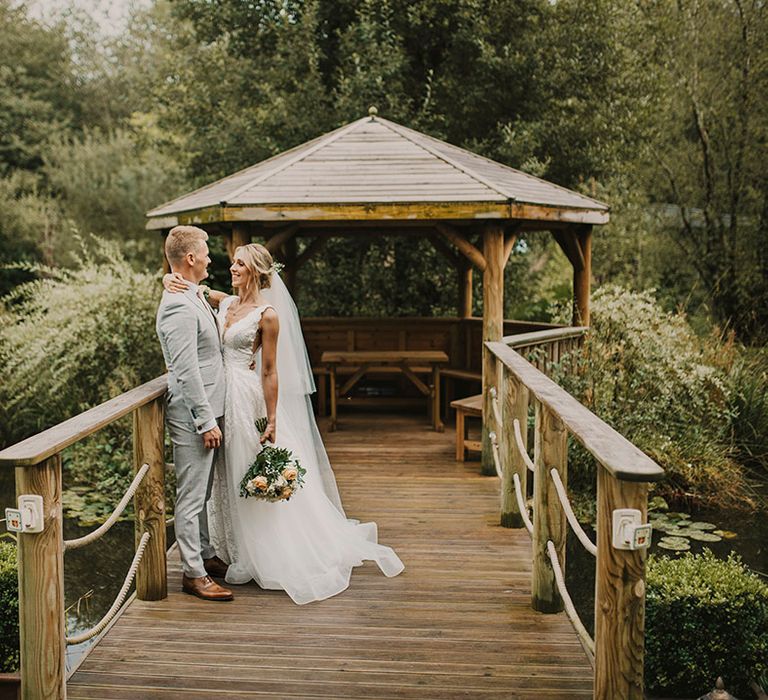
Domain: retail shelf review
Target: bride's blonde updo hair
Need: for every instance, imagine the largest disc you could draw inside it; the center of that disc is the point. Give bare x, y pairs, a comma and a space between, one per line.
259, 262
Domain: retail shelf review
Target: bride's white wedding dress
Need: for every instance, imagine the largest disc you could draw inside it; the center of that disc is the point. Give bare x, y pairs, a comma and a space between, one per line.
305, 546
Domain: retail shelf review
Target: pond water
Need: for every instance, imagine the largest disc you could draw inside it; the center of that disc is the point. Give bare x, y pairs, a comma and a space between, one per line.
751, 543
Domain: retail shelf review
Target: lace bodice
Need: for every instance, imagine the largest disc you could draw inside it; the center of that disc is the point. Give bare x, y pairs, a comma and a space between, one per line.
237, 340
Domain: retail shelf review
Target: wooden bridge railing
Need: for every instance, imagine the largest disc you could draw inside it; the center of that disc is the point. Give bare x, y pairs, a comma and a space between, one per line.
623, 477
37, 461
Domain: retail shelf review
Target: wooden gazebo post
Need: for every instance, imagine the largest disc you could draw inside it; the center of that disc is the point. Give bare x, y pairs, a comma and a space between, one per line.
493, 321
576, 243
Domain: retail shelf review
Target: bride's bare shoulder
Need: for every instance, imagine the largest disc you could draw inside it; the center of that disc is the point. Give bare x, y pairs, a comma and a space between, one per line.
269, 319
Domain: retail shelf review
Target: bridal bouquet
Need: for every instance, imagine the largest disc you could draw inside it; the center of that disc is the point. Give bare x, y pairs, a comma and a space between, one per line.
274, 475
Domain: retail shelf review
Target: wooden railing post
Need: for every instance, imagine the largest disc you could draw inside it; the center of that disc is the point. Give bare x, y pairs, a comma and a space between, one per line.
41, 587
149, 501
619, 595
493, 325
549, 522
514, 406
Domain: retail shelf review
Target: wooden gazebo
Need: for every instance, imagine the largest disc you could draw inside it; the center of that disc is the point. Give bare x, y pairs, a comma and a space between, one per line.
374, 176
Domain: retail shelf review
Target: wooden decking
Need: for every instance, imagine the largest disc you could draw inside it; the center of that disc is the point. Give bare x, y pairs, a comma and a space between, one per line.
456, 624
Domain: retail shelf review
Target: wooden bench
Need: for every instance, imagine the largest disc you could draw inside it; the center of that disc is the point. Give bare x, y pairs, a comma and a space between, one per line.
472, 407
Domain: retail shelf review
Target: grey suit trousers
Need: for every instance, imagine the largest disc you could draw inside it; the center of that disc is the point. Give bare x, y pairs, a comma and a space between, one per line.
194, 477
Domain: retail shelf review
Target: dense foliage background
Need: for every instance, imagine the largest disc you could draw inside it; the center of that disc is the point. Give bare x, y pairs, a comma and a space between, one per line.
658, 108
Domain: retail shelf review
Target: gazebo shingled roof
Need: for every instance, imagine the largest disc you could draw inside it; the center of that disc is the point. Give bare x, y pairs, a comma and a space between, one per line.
373, 176
373, 161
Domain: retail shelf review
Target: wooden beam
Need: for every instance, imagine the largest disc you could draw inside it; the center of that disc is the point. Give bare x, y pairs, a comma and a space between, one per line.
281, 237
315, 245
514, 406
465, 289
354, 379
149, 501
549, 523
619, 595
569, 244
582, 278
240, 236
445, 250
509, 244
35, 449
368, 211
464, 246
493, 322
41, 587
421, 386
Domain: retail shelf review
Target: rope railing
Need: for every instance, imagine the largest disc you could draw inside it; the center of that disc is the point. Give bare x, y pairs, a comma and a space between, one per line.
566, 503
112, 519
521, 506
521, 446
570, 610
495, 404
496, 457
96, 629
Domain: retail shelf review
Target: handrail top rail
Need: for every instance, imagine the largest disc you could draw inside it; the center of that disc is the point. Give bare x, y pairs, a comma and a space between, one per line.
534, 337
619, 456
39, 447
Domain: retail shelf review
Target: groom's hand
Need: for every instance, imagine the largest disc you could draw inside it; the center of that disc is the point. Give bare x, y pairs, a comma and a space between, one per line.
212, 438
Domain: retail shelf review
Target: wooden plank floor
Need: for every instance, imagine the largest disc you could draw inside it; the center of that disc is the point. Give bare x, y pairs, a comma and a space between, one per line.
456, 624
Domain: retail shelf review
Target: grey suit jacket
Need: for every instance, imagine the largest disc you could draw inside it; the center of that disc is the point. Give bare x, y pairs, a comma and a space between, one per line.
191, 346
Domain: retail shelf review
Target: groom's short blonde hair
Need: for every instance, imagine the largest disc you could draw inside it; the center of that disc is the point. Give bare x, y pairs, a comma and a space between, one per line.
182, 240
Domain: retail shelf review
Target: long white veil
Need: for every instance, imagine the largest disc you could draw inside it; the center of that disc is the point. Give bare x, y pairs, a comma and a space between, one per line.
296, 383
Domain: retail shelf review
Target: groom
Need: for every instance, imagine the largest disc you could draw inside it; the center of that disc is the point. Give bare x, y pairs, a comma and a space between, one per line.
189, 336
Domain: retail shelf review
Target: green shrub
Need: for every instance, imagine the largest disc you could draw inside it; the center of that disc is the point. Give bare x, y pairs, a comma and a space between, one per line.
75, 338
646, 373
704, 618
9, 608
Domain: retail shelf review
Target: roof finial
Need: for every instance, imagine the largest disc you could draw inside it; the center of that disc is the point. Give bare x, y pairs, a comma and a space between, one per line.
372, 111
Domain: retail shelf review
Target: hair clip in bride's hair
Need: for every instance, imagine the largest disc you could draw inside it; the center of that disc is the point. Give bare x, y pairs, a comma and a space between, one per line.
276, 267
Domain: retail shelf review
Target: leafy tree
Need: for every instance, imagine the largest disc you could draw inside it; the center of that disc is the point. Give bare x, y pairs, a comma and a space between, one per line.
708, 147
36, 86
105, 183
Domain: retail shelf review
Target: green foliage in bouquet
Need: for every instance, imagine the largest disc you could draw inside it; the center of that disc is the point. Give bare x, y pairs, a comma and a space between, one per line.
719, 611
274, 475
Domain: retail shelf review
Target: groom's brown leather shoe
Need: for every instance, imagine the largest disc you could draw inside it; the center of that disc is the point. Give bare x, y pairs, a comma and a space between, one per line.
206, 588
215, 567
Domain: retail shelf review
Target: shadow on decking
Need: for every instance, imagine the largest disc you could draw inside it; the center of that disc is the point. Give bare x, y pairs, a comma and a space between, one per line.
456, 624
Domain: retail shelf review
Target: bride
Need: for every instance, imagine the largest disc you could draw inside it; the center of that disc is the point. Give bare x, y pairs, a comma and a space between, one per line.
305, 546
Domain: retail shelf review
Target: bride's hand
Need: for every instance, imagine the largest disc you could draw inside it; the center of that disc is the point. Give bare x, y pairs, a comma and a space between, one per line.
269, 433
174, 283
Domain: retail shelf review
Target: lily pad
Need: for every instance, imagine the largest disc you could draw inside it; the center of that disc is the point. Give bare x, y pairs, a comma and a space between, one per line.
678, 516
725, 534
701, 536
669, 528
658, 503
676, 546
702, 526
685, 532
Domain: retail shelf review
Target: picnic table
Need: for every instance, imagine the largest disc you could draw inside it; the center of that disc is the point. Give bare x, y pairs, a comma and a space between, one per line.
411, 363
